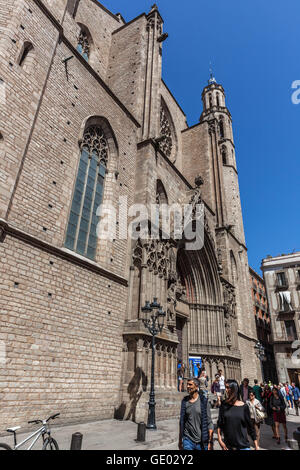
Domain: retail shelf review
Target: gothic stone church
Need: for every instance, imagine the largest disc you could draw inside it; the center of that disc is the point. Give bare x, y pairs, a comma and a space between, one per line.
87, 118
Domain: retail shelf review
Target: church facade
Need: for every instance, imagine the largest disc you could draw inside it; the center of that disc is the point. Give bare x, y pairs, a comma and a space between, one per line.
87, 119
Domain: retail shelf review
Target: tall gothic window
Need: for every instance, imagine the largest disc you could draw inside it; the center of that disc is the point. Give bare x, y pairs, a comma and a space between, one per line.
81, 233
218, 100
224, 155
83, 45
221, 127
165, 131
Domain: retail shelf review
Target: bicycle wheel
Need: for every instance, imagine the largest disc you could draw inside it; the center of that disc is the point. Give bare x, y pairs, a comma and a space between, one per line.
5, 446
50, 444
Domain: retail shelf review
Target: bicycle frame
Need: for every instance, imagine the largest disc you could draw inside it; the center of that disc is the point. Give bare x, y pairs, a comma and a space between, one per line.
40, 432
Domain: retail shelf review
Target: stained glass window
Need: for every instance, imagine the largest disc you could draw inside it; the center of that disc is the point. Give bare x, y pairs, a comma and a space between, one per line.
83, 45
81, 233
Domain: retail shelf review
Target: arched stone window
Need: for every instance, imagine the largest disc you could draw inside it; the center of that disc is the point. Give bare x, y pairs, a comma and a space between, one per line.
210, 100
161, 198
26, 56
81, 232
218, 100
161, 195
84, 42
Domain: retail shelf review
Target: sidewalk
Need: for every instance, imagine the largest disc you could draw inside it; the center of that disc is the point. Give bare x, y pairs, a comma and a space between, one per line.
110, 435
121, 435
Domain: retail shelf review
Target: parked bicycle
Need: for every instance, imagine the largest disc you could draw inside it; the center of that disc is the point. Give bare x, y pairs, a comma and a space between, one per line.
48, 442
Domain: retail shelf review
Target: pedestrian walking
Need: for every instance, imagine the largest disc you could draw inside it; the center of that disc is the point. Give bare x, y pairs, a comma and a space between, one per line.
296, 397
278, 407
257, 390
222, 382
289, 395
256, 413
282, 390
245, 390
234, 421
180, 376
216, 390
195, 427
203, 383
270, 385
269, 421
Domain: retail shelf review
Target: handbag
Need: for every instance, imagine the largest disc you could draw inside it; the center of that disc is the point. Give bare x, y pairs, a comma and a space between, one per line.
261, 415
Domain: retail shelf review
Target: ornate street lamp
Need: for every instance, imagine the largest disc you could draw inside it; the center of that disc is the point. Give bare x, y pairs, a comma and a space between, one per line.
153, 320
260, 353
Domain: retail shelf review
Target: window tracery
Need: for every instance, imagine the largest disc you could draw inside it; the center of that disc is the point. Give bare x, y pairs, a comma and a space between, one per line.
83, 45
166, 144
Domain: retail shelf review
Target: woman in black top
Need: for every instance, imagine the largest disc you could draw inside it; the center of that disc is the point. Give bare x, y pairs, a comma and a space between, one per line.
234, 421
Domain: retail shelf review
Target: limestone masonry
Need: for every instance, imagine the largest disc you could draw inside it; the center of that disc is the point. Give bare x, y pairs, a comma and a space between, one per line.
86, 118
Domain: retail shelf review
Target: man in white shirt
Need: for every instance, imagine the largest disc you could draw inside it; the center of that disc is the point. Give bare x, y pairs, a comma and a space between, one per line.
222, 382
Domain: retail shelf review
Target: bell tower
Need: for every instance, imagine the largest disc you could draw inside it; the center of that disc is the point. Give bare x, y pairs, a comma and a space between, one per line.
216, 113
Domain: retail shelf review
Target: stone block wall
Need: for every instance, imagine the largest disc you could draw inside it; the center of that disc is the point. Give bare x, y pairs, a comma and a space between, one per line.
63, 349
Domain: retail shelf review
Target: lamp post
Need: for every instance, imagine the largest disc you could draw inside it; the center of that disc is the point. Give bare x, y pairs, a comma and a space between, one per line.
260, 353
153, 320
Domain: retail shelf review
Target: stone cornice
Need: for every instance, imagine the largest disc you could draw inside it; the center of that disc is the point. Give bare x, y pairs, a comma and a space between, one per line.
213, 110
63, 253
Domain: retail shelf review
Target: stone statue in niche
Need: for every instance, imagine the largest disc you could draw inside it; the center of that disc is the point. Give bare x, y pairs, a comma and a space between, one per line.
180, 291
171, 305
228, 333
172, 264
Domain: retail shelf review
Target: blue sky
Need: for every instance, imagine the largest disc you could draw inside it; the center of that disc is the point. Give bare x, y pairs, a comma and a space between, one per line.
254, 48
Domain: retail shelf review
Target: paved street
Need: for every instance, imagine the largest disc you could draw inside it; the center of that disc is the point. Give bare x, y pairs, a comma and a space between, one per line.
121, 435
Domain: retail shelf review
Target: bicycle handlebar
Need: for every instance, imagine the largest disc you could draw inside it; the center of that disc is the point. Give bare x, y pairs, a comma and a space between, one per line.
53, 416
37, 421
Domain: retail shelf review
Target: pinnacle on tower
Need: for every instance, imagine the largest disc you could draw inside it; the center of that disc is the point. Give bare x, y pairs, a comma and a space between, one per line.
212, 78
